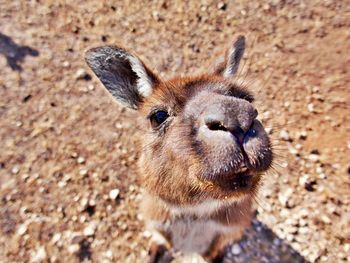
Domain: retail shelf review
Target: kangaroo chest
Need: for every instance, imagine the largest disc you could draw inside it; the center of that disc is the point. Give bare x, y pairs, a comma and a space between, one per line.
190, 235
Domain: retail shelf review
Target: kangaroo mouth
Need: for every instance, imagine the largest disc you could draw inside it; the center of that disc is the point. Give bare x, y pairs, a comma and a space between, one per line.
235, 182
238, 182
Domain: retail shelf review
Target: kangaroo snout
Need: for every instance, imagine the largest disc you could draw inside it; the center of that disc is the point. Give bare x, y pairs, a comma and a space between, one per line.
229, 115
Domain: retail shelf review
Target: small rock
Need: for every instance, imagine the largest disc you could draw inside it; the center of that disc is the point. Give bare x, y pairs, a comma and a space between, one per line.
147, 234
284, 198
291, 230
303, 179
302, 135
62, 184
314, 157
114, 193
322, 176
284, 135
302, 222
109, 254
315, 254
39, 255
15, 170
156, 15
277, 241
56, 237
222, 6
298, 146
19, 124
303, 230
307, 182
90, 229
319, 169
268, 130
311, 107
73, 248
82, 74
236, 249
293, 151
83, 172
81, 160
326, 219
66, 64
22, 229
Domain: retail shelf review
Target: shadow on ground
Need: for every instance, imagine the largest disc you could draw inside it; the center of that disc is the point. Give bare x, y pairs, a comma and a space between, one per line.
260, 244
15, 53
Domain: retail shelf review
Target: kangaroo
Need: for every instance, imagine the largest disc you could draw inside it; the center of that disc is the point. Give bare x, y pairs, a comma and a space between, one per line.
204, 151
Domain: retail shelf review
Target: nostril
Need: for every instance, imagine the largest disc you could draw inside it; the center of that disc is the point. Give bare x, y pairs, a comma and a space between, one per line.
215, 126
239, 134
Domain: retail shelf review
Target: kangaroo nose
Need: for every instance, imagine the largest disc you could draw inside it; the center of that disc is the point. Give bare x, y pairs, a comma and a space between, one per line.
236, 120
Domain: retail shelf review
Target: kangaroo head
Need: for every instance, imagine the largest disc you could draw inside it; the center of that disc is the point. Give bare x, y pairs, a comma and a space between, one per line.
201, 137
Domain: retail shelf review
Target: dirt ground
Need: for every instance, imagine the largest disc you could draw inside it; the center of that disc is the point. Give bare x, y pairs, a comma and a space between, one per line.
65, 145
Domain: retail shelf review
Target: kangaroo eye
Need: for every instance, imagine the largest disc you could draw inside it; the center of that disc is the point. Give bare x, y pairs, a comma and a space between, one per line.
158, 118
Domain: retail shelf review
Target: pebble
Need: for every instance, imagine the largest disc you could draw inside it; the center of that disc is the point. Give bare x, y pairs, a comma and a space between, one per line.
114, 193
73, 248
62, 184
326, 219
303, 179
90, 229
65, 64
108, 254
284, 197
83, 172
22, 229
302, 135
314, 157
293, 151
302, 222
82, 74
319, 170
311, 107
39, 255
15, 170
303, 230
56, 237
284, 135
236, 249
221, 6
268, 130
81, 160
315, 254
156, 16
306, 182
19, 124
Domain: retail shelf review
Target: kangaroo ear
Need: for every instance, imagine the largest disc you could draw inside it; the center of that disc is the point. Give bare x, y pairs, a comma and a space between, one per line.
227, 64
123, 74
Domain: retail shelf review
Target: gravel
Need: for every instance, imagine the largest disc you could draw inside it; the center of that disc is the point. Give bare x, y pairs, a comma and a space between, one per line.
69, 189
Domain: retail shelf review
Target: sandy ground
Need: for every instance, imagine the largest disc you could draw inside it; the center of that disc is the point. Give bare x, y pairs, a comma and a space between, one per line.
65, 144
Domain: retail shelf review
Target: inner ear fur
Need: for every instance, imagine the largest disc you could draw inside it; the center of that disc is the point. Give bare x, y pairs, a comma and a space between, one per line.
123, 74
